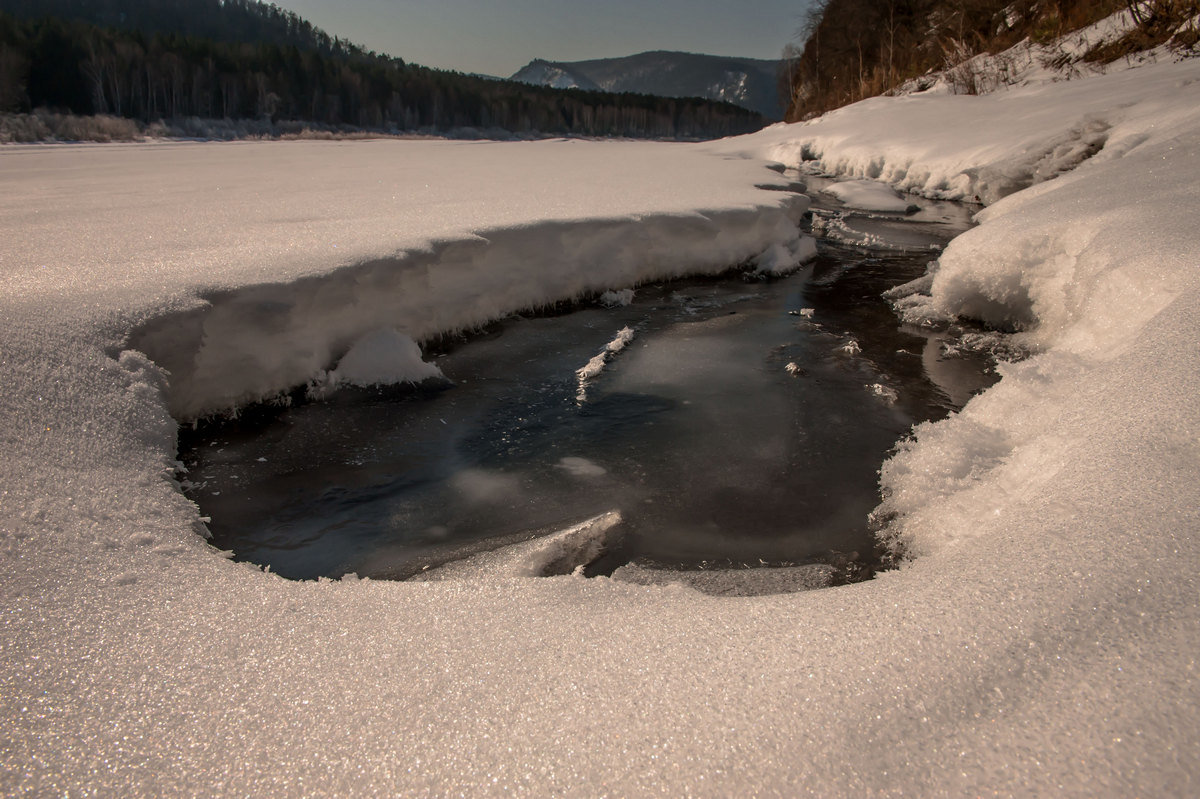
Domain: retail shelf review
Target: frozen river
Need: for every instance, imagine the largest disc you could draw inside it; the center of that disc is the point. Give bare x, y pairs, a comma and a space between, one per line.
743, 425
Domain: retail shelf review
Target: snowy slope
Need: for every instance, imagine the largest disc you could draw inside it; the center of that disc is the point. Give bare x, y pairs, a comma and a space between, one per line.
1042, 641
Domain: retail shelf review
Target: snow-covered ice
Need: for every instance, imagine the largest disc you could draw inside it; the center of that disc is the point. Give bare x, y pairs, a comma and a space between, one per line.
1042, 640
868, 195
581, 467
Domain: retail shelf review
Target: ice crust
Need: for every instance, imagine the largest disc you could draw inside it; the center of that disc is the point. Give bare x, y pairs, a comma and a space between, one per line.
1041, 641
595, 366
868, 195
559, 552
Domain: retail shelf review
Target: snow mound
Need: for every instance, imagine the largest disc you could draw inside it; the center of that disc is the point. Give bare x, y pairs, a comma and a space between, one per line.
382, 358
868, 195
785, 257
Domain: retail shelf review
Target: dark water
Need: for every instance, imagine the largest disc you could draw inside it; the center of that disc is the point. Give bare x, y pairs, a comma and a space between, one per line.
734, 429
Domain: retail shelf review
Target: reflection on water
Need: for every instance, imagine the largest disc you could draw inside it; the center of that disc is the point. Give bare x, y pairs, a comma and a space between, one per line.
735, 428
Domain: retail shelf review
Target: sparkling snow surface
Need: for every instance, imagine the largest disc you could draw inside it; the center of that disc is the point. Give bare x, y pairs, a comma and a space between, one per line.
1043, 640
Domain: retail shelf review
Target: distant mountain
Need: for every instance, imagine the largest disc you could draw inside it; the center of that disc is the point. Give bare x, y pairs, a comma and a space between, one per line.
749, 82
557, 76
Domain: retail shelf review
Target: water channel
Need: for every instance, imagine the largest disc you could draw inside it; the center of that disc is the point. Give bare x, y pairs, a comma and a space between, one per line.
742, 425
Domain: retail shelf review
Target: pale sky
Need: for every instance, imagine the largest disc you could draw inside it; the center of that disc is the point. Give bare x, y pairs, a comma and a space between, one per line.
498, 38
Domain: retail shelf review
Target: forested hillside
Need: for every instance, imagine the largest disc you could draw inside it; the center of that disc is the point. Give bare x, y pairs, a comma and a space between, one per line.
219, 20
860, 48
150, 60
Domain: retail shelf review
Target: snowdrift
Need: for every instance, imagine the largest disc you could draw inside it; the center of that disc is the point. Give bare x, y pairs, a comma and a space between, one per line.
251, 344
1041, 640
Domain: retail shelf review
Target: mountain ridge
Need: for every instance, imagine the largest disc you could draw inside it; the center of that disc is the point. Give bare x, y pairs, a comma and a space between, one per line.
747, 82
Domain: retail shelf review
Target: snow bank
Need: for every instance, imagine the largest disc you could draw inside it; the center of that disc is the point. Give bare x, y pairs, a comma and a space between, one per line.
253, 343
1082, 464
1079, 267
733, 582
287, 274
1104, 288
1018, 137
1044, 642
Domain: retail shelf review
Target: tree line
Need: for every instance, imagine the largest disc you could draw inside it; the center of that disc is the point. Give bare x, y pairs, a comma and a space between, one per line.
219, 20
297, 73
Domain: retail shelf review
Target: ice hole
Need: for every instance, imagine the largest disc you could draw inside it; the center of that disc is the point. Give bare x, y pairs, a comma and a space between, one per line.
729, 432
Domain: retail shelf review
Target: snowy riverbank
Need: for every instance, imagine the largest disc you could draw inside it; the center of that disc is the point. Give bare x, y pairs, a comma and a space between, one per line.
1043, 641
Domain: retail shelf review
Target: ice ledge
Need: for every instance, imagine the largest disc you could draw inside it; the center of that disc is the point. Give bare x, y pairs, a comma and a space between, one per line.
561, 552
253, 343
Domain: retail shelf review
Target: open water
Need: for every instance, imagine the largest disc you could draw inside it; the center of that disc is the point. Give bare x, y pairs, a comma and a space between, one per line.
744, 424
